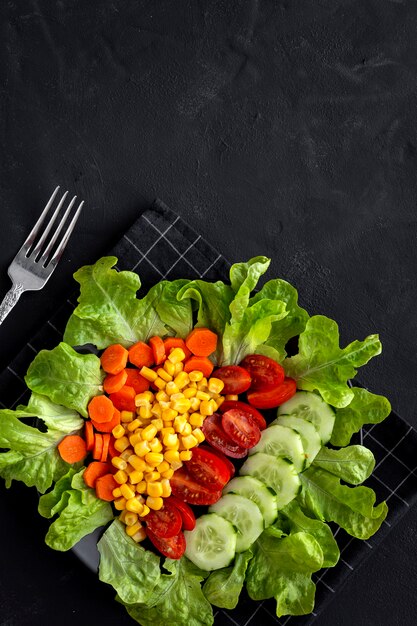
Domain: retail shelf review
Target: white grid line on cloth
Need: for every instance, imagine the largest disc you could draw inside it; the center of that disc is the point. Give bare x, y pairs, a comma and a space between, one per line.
29, 345
54, 328
182, 256
210, 266
347, 564
394, 492
15, 373
231, 619
389, 451
171, 244
253, 614
143, 255
19, 398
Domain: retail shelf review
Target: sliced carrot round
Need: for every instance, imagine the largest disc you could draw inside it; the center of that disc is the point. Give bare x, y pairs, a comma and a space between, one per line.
124, 400
98, 447
114, 382
136, 380
89, 435
100, 409
114, 358
201, 341
158, 349
72, 448
200, 363
107, 427
105, 486
94, 470
105, 451
176, 342
141, 355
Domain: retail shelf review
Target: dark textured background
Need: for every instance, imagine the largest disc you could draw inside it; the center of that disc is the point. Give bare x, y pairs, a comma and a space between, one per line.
280, 128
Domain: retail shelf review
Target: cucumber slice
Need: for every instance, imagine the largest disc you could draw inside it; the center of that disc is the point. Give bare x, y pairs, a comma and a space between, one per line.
258, 492
282, 441
309, 436
277, 473
245, 516
312, 408
212, 543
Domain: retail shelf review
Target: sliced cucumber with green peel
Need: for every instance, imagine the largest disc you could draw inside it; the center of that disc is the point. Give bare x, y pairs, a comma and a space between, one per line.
255, 490
277, 473
245, 516
282, 441
311, 407
212, 543
309, 436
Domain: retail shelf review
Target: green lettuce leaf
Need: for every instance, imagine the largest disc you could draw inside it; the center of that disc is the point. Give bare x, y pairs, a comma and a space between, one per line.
365, 408
298, 521
175, 313
212, 302
321, 364
281, 568
32, 456
177, 599
222, 588
130, 569
78, 508
289, 326
66, 377
350, 507
353, 464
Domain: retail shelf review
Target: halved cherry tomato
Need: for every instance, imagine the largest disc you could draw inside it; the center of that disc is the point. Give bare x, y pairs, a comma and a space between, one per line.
273, 397
186, 512
186, 488
166, 522
265, 372
236, 379
223, 457
240, 427
236, 404
216, 437
208, 469
172, 548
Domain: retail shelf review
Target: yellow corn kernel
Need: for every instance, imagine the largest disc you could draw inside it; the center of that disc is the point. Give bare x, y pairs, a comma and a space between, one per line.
231, 396
132, 530
122, 515
187, 429
134, 425
155, 489
181, 380
195, 376
182, 405
172, 456
119, 463
170, 440
154, 458
140, 535
120, 477
162, 396
192, 385
178, 368
146, 397
120, 504
167, 430
158, 423
215, 385
149, 432
145, 412
165, 405
155, 445
202, 395
130, 518
145, 510
167, 474
166, 488
186, 455
179, 423
189, 392
220, 400
142, 448
159, 383
213, 404
137, 462
156, 410
169, 368
141, 486
152, 475
117, 493
206, 408
121, 444
127, 491
169, 414
171, 388
135, 477
198, 434
155, 503
126, 416
149, 374
176, 396
135, 439
176, 355
134, 505
162, 467
189, 441
125, 455
168, 424
196, 419
194, 403
162, 373
118, 431
202, 385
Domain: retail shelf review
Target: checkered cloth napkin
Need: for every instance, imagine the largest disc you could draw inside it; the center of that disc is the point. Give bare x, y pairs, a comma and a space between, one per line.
160, 245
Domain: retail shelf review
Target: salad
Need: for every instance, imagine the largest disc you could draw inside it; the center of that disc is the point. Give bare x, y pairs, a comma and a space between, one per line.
206, 429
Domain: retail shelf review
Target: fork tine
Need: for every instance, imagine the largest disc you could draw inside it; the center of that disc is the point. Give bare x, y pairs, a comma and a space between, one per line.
47, 230
64, 240
32, 235
60, 226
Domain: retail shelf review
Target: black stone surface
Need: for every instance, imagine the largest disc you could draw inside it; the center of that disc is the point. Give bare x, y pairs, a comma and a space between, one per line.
280, 128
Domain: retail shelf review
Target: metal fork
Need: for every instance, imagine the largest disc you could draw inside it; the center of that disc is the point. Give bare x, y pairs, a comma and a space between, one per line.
36, 260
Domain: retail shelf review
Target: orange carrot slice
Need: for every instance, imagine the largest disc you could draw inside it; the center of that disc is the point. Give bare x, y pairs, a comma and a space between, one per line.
100, 409
94, 470
72, 448
135, 380
176, 342
114, 382
107, 427
200, 363
98, 447
89, 435
124, 400
114, 359
201, 341
105, 486
140, 354
158, 349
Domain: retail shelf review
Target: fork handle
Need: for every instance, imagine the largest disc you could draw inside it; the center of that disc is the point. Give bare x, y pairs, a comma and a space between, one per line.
9, 300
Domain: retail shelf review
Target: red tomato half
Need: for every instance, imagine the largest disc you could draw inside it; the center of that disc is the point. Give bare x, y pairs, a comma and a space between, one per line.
236, 379
240, 427
273, 397
216, 437
186, 512
208, 469
224, 458
164, 523
236, 404
186, 488
172, 548
265, 372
